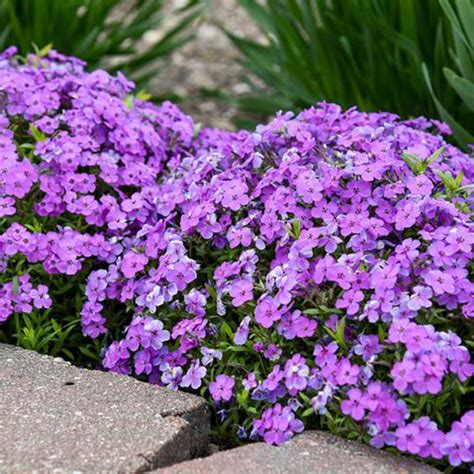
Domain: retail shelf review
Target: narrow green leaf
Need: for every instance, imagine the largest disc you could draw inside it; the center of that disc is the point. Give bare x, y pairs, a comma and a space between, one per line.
463, 87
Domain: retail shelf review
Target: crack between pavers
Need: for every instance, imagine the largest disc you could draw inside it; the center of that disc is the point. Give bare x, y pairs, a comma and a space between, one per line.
198, 419
197, 425
149, 461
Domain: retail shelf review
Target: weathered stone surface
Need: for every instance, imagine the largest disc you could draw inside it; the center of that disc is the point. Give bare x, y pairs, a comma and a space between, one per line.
312, 452
56, 416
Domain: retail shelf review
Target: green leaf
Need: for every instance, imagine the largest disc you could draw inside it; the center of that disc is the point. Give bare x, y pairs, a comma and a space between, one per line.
462, 135
45, 50
413, 162
338, 335
431, 159
37, 135
128, 101
15, 285
340, 332
143, 95
463, 87
228, 331
296, 228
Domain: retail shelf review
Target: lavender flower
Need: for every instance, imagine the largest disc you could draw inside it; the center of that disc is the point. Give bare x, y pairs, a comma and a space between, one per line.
348, 269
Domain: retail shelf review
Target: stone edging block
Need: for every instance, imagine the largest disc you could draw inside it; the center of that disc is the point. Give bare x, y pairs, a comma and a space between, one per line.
54, 416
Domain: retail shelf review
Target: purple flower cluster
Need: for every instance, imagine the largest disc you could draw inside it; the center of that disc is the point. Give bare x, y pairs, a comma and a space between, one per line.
20, 296
318, 266
278, 424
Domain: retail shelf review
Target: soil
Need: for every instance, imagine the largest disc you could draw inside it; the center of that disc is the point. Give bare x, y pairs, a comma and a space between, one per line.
207, 65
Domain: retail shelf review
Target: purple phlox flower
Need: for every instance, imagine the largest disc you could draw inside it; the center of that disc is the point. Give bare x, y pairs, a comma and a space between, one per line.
235, 194
353, 406
410, 438
277, 424
7, 206
40, 297
115, 353
181, 273
222, 388
460, 239
441, 282
171, 376
324, 355
153, 299
236, 237
340, 274
250, 381
296, 374
407, 251
285, 286
133, 263
308, 187
194, 375
137, 336
347, 372
375, 227
274, 378
407, 214
241, 291
157, 334
267, 312
242, 332
303, 326
195, 303
350, 301
434, 438
385, 277
403, 374
416, 338
421, 298
371, 397
350, 224
420, 185
209, 355
319, 402
368, 346
441, 253
143, 362
381, 438
272, 352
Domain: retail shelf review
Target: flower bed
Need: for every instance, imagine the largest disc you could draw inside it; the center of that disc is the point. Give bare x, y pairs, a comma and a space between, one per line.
314, 272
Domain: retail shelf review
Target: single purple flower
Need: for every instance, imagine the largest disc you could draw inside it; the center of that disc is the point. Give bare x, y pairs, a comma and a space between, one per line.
222, 388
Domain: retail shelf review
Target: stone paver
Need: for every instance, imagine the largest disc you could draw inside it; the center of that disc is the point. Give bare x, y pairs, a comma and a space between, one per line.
56, 416
312, 452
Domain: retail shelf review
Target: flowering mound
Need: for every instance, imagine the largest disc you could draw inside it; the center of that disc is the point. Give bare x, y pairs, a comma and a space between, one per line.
314, 272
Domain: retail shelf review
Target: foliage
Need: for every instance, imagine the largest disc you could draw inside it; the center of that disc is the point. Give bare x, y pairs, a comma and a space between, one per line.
316, 272
377, 55
105, 33
461, 18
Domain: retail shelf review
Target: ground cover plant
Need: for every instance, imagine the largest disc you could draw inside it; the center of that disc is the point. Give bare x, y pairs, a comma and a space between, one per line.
343, 50
315, 272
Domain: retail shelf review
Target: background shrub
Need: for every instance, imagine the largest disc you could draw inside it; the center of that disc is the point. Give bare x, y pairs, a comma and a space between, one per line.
378, 55
104, 33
